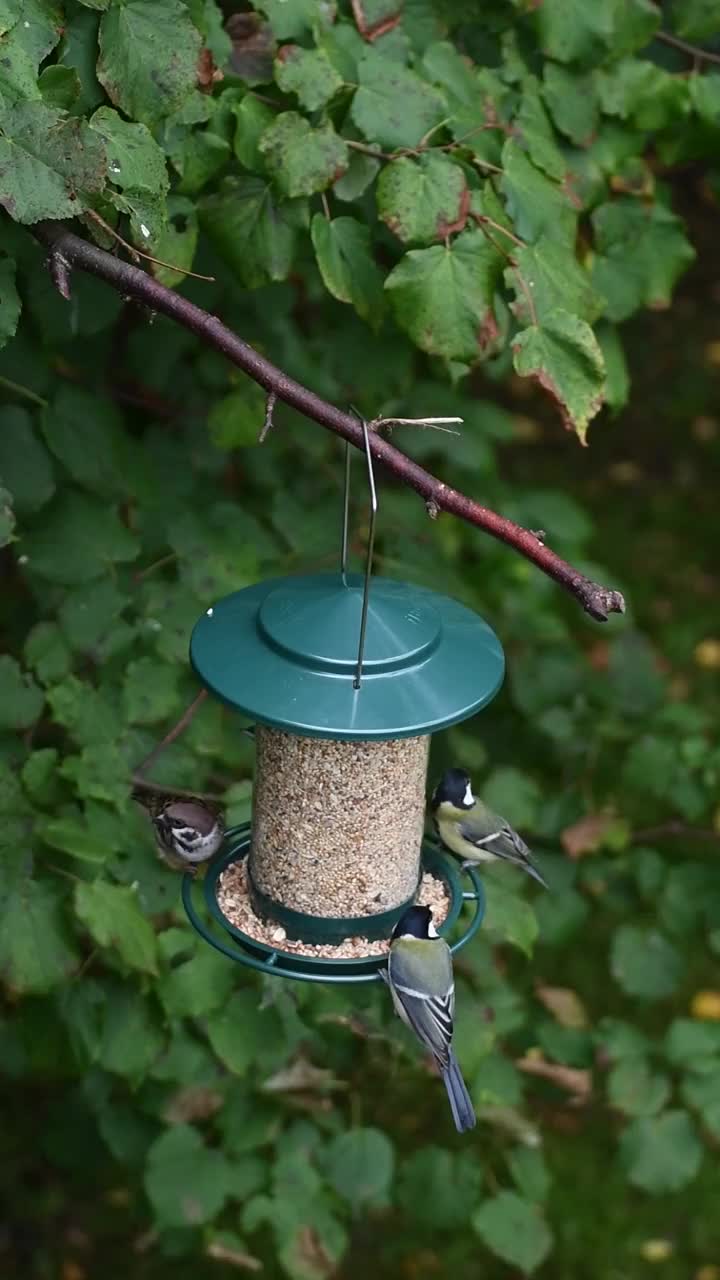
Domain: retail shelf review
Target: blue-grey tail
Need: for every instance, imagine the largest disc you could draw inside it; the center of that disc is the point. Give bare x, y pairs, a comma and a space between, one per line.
460, 1101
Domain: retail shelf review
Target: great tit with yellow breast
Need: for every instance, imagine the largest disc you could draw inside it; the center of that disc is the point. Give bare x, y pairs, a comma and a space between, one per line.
187, 831
420, 977
468, 828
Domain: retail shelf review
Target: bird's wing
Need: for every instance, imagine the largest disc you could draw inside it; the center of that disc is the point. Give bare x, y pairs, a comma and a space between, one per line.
428, 1012
507, 844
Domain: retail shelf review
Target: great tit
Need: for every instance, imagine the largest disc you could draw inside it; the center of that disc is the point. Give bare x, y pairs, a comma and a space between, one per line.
187, 832
420, 977
468, 828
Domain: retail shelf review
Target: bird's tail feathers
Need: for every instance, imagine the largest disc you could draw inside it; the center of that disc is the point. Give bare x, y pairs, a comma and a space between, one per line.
460, 1101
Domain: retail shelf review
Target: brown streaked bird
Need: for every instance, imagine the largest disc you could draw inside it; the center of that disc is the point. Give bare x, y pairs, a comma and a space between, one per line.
188, 832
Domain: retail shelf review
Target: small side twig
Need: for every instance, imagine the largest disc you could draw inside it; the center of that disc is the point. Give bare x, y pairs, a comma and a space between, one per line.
172, 734
269, 409
142, 784
692, 50
434, 424
59, 269
137, 254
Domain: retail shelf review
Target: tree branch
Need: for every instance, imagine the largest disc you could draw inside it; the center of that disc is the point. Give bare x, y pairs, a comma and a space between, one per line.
692, 50
131, 281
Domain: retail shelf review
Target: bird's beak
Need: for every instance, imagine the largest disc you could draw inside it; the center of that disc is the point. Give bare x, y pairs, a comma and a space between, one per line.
533, 871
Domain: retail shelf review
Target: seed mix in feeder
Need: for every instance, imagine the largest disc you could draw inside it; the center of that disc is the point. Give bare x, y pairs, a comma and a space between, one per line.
234, 902
337, 826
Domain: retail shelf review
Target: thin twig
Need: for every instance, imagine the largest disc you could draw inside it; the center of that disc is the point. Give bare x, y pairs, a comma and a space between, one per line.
142, 784
483, 223
434, 424
268, 423
597, 600
25, 392
325, 205
173, 733
156, 564
692, 50
135, 253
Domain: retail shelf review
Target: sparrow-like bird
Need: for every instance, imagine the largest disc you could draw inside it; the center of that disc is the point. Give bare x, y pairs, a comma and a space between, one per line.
468, 828
420, 977
187, 832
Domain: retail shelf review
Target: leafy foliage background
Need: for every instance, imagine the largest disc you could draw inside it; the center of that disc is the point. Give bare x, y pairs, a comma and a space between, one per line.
164, 1110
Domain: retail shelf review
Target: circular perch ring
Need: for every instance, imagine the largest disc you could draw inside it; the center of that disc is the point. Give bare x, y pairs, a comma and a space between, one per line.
256, 955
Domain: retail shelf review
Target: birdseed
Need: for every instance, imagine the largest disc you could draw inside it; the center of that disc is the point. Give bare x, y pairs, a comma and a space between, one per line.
234, 901
337, 826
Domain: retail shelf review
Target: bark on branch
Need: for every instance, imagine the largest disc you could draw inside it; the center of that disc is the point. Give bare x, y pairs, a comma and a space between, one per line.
73, 252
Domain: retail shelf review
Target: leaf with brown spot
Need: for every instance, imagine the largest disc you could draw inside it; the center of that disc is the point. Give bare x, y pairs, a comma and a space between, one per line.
207, 73
586, 835
562, 354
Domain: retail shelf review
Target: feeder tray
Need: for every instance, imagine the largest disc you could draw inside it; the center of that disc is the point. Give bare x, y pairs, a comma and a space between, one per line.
273, 960
345, 676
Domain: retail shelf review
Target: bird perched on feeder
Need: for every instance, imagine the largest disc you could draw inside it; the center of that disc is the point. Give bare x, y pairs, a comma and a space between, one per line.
420, 977
468, 828
187, 831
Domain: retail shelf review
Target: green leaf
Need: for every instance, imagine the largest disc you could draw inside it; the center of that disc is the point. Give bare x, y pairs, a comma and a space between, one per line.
10, 304
443, 297
60, 87
187, 1183
89, 714
235, 422
51, 163
78, 539
253, 118
29, 29
530, 1173
309, 74
617, 375
535, 130
21, 701
148, 57
99, 773
129, 1037
349, 271
25, 466
562, 354
641, 251
509, 916
360, 1167
394, 107
7, 518
644, 963
150, 691
635, 1089
89, 612
292, 18
78, 50
514, 1229
438, 1188
555, 280
38, 773
303, 160
250, 230
196, 987
47, 652
85, 434
661, 1153
536, 205
570, 30
694, 19
705, 96
74, 835
572, 101
361, 171
242, 1033
688, 1040
36, 949
113, 917
513, 794
136, 167
422, 200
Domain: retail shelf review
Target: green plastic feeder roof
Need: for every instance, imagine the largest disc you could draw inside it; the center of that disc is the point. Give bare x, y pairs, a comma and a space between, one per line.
284, 653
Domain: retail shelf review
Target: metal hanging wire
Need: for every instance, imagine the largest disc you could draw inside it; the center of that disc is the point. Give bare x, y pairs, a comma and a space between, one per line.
357, 680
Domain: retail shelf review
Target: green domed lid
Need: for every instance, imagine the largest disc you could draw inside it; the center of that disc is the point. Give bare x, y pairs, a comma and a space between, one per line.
284, 653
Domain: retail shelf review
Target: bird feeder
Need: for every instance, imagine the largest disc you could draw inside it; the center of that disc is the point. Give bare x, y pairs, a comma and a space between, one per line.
345, 677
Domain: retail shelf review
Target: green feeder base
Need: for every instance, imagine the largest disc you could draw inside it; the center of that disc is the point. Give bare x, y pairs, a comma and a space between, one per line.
284, 964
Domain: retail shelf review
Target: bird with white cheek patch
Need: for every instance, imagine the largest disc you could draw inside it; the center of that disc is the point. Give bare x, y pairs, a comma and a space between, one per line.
188, 832
468, 828
420, 977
